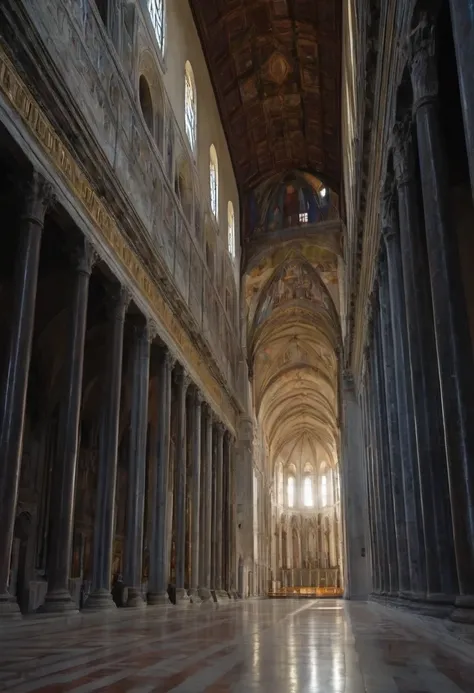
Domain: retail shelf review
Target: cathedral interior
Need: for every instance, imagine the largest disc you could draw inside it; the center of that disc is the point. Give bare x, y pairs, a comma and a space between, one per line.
237, 346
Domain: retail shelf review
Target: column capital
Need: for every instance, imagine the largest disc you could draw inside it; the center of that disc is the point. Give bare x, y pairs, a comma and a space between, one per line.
220, 428
169, 358
402, 143
388, 211
84, 256
118, 299
348, 380
423, 70
40, 196
197, 396
181, 377
151, 330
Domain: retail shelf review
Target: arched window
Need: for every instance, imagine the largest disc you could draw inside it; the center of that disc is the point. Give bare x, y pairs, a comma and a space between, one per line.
231, 228
308, 492
190, 105
324, 490
214, 181
291, 491
156, 8
146, 103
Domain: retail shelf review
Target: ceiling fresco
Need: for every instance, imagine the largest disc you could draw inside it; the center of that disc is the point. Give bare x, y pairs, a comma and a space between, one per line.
276, 70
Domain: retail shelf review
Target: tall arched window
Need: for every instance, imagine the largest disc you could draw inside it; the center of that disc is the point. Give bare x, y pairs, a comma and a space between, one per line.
156, 8
231, 228
291, 491
308, 492
324, 490
190, 105
146, 102
214, 181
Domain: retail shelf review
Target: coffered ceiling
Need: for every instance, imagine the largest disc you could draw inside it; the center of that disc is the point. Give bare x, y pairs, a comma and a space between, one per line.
276, 65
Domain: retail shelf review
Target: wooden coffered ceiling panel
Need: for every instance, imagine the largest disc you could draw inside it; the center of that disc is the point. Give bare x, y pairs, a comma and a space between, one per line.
275, 66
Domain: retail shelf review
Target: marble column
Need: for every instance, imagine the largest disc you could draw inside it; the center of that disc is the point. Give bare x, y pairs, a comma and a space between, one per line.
63, 487
206, 496
196, 404
462, 20
441, 574
160, 545
406, 425
15, 381
182, 382
388, 544
453, 342
219, 485
387, 363
354, 496
143, 333
101, 596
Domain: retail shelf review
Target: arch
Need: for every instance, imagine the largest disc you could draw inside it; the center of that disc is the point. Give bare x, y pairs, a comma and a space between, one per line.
156, 9
146, 103
231, 229
214, 181
190, 109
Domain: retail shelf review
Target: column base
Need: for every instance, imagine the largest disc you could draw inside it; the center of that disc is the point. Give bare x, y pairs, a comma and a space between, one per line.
135, 599
9, 608
100, 600
158, 599
463, 611
193, 595
220, 596
58, 602
206, 596
182, 598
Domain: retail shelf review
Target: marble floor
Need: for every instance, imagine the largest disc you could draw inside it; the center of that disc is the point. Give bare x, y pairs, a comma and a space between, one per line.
320, 646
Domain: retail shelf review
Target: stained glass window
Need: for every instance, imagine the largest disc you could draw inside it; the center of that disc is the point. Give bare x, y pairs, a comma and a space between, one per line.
291, 491
190, 105
156, 9
214, 181
324, 490
231, 228
308, 492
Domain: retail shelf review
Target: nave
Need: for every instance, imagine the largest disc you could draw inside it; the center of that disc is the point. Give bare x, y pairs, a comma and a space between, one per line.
290, 646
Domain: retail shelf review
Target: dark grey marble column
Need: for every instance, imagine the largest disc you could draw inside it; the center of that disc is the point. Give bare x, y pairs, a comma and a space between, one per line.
143, 333
405, 412
227, 500
379, 552
15, 381
213, 500
63, 485
453, 342
182, 383
394, 452
389, 560
101, 596
160, 546
196, 403
462, 20
219, 520
441, 574
206, 496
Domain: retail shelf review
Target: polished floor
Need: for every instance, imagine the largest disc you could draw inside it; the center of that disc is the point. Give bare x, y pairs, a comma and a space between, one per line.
320, 646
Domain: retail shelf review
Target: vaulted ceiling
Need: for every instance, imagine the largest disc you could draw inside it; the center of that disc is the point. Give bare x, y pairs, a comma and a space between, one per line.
276, 66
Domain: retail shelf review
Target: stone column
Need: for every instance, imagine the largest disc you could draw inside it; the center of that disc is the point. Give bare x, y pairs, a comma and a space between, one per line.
354, 496
196, 402
206, 495
385, 492
101, 596
387, 363
63, 485
453, 342
462, 20
160, 545
220, 430
406, 427
182, 383
142, 336
15, 380
425, 390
